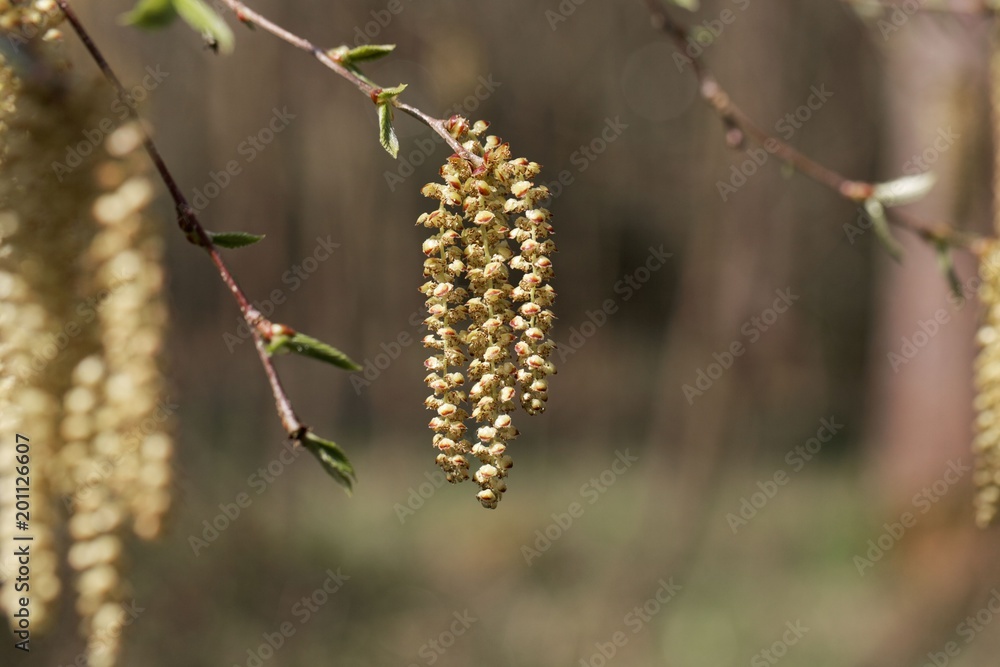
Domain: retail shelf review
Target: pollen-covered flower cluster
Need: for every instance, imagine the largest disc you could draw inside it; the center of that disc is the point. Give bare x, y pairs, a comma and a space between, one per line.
25, 21
489, 300
81, 322
986, 445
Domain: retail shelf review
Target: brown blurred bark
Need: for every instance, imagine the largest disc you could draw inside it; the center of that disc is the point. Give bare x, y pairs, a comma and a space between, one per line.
742, 250
922, 398
923, 413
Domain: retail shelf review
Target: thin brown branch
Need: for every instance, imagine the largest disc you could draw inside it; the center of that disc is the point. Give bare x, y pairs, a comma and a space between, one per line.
251, 17
939, 233
187, 220
739, 125
976, 8
994, 75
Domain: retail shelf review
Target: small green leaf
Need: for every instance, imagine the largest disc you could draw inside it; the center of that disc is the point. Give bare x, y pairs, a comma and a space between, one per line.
880, 224
690, 5
353, 69
333, 459
308, 346
868, 10
150, 14
904, 190
386, 134
206, 21
390, 94
278, 345
233, 240
315, 349
367, 52
342, 54
947, 266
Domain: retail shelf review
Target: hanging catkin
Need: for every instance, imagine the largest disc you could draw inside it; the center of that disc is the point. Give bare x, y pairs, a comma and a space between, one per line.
81, 320
504, 346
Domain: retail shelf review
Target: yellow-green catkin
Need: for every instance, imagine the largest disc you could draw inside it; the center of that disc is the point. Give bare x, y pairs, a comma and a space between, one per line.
29, 399
986, 445
81, 325
503, 349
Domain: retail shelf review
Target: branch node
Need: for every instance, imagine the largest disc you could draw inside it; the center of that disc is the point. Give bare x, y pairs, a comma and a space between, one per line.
857, 191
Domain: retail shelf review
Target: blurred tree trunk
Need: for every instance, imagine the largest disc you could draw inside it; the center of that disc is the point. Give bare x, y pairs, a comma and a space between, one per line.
923, 404
745, 248
922, 398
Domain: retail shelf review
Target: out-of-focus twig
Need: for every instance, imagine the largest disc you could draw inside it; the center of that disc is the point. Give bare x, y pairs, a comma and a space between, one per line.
995, 121
739, 125
330, 60
260, 327
967, 8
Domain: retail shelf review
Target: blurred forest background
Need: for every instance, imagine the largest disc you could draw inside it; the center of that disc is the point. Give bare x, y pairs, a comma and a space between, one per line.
563, 73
